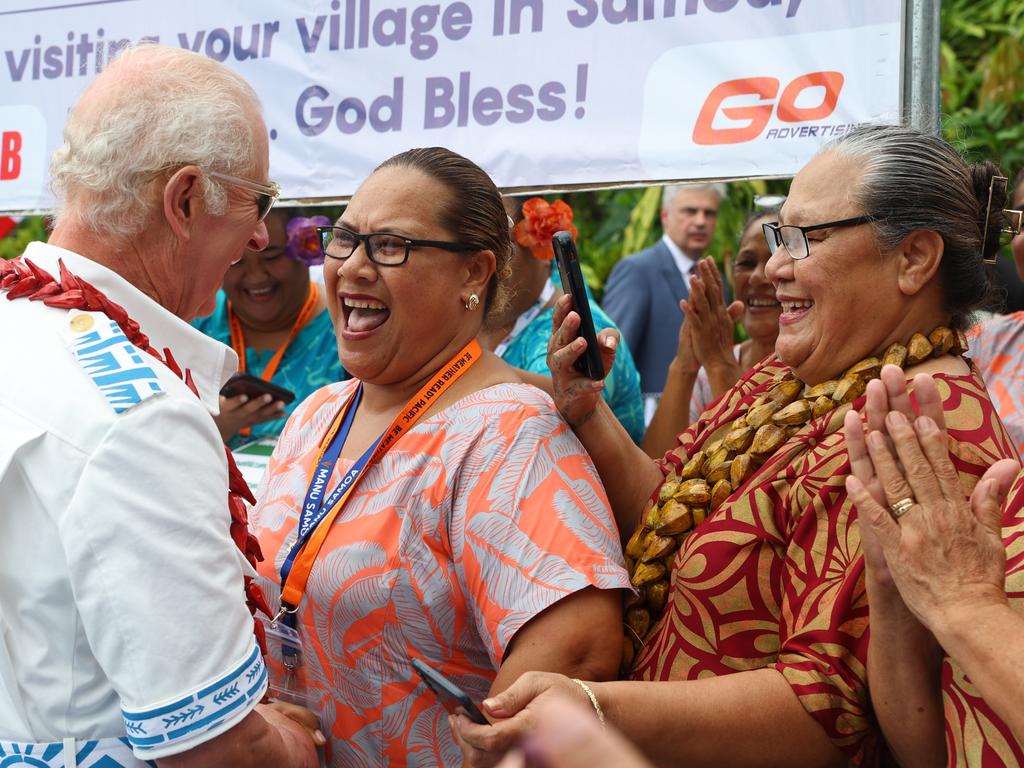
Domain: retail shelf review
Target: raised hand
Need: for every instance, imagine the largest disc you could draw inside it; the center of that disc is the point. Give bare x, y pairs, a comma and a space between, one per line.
942, 551
711, 324
575, 395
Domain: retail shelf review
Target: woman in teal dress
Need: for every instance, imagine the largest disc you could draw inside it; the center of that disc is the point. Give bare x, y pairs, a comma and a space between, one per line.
519, 336
274, 316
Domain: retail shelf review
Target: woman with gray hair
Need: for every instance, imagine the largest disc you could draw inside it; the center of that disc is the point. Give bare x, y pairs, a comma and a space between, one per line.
750, 631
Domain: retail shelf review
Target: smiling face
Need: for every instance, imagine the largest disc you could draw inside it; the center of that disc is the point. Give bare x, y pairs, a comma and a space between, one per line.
220, 241
266, 288
751, 286
842, 302
393, 321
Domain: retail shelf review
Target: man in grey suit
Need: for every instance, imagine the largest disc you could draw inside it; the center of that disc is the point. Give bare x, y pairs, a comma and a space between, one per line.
643, 291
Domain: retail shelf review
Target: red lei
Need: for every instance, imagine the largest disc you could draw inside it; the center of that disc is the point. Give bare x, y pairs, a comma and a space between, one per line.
21, 278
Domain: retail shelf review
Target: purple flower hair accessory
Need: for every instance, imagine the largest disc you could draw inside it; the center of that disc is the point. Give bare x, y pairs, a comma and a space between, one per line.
303, 242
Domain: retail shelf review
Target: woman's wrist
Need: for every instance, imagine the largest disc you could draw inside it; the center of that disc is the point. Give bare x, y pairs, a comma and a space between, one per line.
721, 365
677, 368
592, 697
956, 626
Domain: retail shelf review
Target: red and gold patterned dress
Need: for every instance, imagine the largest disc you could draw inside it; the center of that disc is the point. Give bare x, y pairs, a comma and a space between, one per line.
774, 577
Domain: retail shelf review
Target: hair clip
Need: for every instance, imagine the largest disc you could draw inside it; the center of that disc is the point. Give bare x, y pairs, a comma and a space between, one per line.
1000, 181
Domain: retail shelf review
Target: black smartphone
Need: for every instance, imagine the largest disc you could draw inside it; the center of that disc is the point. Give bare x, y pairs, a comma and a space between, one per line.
452, 697
254, 386
589, 363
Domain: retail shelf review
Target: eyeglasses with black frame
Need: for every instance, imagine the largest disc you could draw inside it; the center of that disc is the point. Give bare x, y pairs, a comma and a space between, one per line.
794, 238
384, 248
267, 194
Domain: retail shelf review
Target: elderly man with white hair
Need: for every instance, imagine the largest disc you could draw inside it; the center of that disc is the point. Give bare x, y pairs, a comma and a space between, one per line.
125, 638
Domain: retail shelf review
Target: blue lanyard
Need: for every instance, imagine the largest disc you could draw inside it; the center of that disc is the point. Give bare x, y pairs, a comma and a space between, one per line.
315, 506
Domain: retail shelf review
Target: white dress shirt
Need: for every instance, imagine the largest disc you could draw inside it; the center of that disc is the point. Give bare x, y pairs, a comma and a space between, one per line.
122, 613
683, 262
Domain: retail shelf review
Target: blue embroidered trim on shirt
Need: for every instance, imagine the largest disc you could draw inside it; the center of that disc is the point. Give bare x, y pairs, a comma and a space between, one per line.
115, 365
198, 712
95, 753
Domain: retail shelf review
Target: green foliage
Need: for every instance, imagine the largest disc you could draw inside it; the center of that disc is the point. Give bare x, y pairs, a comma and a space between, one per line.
615, 223
30, 228
982, 59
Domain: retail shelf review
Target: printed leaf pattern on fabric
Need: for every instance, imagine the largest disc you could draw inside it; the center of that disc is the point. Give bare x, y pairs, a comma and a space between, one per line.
482, 516
774, 578
997, 349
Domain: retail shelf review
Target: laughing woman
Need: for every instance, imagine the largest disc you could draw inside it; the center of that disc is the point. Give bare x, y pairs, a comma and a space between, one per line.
275, 318
751, 638
475, 535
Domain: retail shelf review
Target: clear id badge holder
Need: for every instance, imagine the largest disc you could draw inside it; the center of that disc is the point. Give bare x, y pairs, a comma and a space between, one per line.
286, 665
287, 671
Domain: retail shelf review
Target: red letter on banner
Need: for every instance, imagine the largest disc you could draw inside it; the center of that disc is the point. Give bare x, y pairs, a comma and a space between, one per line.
757, 114
789, 112
10, 155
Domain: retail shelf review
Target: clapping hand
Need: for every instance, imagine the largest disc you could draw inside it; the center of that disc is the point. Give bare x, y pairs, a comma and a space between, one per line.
709, 325
940, 549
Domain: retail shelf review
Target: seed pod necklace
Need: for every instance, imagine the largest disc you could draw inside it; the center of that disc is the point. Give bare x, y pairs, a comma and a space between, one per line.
713, 473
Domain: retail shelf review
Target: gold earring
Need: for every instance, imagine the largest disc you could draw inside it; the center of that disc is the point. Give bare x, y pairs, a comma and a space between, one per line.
471, 302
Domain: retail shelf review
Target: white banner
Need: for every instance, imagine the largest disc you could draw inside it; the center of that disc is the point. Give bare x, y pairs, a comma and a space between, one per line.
539, 92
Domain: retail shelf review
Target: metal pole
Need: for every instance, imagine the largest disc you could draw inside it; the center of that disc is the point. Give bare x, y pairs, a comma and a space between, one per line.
922, 103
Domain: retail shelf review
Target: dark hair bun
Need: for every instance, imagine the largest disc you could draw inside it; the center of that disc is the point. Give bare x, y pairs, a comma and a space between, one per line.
981, 178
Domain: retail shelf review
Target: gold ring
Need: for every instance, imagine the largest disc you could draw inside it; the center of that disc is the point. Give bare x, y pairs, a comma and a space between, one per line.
901, 507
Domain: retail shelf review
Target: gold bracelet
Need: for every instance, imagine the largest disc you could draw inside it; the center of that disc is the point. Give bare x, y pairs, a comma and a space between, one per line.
593, 700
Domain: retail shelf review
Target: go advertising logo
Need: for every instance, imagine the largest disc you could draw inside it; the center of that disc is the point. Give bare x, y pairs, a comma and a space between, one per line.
764, 107
747, 122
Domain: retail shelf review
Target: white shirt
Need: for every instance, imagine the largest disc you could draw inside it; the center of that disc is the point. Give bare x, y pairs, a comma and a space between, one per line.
683, 262
121, 593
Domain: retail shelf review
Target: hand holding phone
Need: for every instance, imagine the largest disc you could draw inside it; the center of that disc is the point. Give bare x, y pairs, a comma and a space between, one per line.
451, 697
253, 386
589, 363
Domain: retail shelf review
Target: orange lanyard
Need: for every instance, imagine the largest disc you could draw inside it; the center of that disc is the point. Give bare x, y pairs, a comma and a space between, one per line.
321, 509
238, 337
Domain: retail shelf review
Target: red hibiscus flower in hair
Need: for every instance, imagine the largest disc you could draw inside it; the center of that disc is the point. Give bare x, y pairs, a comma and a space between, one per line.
540, 221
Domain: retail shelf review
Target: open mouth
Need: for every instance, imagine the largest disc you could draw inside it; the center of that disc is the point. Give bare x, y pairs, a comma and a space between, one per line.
762, 302
363, 315
793, 309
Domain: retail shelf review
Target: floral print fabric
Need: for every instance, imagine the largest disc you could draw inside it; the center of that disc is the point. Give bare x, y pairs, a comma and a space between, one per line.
997, 348
483, 515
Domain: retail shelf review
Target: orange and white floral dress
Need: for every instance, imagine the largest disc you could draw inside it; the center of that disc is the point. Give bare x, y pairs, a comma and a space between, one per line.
997, 349
483, 515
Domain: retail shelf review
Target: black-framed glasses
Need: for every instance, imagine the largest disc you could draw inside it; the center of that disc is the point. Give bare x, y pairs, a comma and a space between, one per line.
794, 238
266, 194
384, 248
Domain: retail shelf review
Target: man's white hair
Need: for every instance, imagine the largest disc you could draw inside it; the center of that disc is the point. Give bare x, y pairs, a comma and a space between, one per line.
668, 194
167, 107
